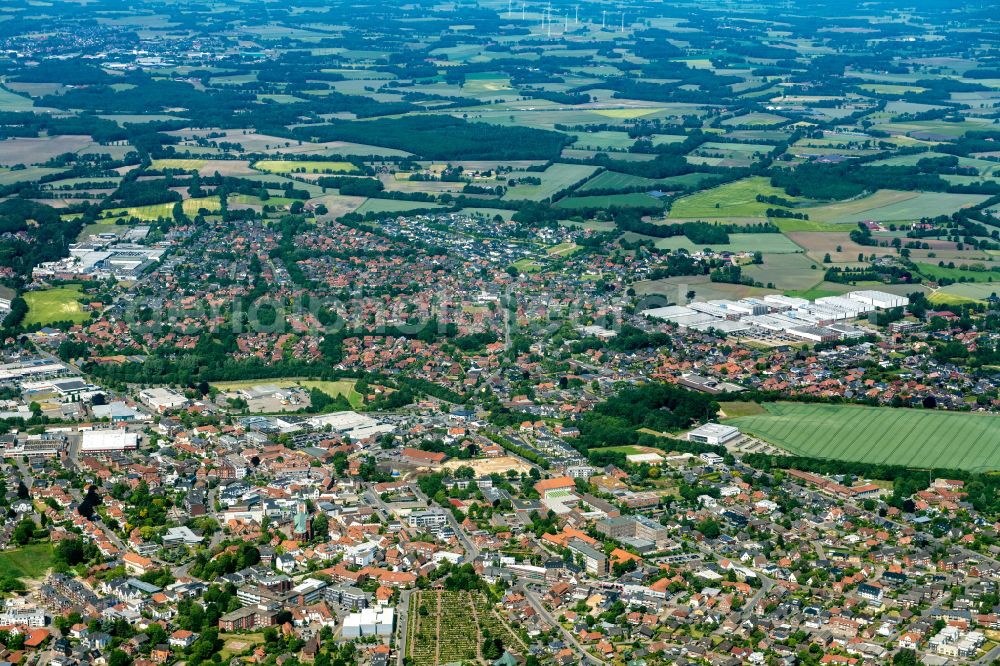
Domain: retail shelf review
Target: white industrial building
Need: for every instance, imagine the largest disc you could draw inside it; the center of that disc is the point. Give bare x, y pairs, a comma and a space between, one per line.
715, 434
778, 301
879, 299
368, 622
352, 425
819, 321
104, 441
162, 399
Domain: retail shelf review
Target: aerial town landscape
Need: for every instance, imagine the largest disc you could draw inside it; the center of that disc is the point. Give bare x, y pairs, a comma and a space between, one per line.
354, 333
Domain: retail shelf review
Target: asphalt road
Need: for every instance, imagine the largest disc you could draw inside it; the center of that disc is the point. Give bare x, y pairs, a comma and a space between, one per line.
536, 603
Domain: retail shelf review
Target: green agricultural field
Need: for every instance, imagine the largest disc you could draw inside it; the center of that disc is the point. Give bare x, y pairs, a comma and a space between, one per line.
31, 561
890, 89
734, 410
983, 274
845, 210
923, 204
604, 140
304, 166
634, 200
556, 178
786, 271
393, 206
880, 435
956, 294
51, 305
10, 176
757, 120
736, 199
165, 210
11, 102
789, 225
766, 243
613, 180
186, 165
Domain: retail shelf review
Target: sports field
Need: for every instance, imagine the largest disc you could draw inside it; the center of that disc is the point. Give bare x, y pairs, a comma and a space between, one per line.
880, 435
51, 305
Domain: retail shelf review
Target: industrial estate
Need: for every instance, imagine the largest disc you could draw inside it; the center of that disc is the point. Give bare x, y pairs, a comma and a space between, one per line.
502, 333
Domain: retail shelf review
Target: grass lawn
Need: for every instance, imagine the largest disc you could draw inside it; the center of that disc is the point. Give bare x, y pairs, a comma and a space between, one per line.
627, 450
99, 228
562, 249
234, 644
51, 305
880, 435
31, 561
343, 387
527, 265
